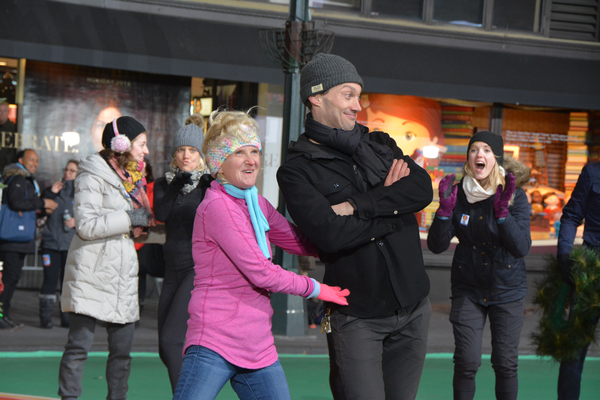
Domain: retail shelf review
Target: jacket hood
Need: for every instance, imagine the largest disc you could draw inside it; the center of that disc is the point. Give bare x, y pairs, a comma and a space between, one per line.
518, 169
12, 170
96, 165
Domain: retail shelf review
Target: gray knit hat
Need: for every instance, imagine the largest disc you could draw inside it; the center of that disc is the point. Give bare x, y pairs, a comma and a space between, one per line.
324, 72
188, 135
491, 139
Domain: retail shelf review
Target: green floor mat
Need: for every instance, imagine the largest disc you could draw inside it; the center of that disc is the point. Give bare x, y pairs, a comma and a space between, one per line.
36, 374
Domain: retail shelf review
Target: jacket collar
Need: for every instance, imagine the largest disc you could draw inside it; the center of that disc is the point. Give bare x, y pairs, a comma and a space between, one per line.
304, 147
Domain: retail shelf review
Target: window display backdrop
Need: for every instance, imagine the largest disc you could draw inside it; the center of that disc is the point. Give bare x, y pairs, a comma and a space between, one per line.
66, 108
536, 137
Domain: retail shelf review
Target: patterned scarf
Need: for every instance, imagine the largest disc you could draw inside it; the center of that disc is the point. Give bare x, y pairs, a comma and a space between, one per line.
135, 185
187, 188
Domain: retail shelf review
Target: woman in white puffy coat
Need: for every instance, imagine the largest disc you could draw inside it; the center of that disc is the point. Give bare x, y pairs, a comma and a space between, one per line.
101, 274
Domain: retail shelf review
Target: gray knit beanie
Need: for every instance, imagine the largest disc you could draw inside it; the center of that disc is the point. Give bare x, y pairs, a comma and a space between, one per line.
188, 135
493, 140
324, 72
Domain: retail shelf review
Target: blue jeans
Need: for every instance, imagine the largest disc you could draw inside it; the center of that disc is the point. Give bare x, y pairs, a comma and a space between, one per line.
204, 373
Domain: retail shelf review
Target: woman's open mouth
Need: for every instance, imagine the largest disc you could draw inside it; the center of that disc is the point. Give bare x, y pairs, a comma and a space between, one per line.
480, 166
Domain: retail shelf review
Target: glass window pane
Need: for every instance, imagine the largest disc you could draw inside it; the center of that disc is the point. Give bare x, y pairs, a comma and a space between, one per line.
412, 9
460, 12
516, 14
339, 5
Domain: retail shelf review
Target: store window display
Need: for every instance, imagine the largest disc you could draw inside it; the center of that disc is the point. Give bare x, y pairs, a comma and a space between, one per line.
106, 115
413, 122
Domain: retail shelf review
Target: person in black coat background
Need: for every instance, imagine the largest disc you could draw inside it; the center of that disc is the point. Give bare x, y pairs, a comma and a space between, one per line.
22, 194
354, 193
489, 213
56, 239
176, 198
584, 205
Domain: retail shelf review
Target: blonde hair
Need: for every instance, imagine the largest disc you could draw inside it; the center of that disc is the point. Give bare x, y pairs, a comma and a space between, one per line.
494, 179
223, 124
196, 119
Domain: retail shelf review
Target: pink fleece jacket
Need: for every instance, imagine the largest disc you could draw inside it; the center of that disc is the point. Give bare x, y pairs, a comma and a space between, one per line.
230, 310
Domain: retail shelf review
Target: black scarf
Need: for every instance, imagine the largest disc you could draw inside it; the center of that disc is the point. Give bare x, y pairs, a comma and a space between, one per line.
374, 159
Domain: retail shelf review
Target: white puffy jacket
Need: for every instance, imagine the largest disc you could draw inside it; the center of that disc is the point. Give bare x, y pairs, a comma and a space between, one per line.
101, 274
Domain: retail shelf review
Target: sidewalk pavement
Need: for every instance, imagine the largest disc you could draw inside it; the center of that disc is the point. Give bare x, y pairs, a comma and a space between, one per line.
33, 338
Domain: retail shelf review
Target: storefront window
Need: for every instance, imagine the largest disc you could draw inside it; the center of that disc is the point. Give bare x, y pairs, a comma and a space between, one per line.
436, 134
516, 15
459, 12
340, 5
67, 107
410, 9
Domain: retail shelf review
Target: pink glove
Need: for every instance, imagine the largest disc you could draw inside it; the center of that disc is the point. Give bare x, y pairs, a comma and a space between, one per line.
1, 283
333, 294
448, 192
503, 197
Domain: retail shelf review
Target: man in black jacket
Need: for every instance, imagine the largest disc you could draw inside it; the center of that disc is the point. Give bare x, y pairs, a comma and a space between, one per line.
354, 194
22, 194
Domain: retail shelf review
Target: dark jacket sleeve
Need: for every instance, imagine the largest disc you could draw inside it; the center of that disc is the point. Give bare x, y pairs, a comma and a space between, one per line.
49, 194
515, 231
313, 214
440, 234
164, 200
406, 196
574, 212
21, 195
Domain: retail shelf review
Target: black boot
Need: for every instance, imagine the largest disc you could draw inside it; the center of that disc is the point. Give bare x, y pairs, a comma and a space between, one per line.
64, 316
46, 304
64, 319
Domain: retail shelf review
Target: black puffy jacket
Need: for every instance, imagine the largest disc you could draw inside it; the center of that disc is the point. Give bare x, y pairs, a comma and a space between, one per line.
376, 253
178, 212
20, 195
488, 265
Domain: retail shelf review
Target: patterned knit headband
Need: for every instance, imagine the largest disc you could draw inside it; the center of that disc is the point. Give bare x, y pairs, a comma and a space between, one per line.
218, 152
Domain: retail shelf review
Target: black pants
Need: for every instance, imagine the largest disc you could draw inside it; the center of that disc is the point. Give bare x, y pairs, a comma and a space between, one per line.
53, 272
151, 262
172, 319
468, 321
382, 358
13, 264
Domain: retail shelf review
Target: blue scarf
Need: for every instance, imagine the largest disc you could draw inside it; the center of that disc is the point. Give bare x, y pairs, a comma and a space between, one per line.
35, 184
259, 222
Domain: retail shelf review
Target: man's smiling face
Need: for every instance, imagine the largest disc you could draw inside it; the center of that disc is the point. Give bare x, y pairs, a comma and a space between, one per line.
338, 107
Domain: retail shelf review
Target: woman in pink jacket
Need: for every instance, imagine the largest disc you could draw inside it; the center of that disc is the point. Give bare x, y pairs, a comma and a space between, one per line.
229, 331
